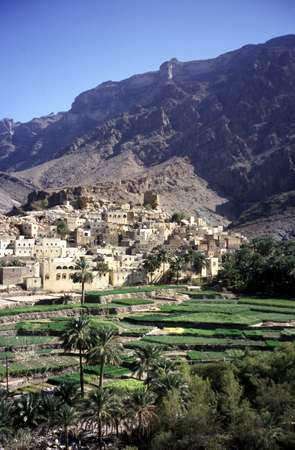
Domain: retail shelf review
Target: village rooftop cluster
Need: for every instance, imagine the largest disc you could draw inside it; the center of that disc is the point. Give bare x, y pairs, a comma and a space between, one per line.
39, 249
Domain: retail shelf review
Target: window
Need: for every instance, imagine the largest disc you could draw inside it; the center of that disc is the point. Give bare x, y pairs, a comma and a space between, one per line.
58, 276
64, 276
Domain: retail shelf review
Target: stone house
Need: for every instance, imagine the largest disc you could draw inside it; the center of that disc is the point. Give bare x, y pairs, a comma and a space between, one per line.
6, 248
24, 247
30, 229
56, 274
49, 248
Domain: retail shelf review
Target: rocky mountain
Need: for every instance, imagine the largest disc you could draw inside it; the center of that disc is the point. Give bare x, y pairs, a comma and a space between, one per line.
223, 127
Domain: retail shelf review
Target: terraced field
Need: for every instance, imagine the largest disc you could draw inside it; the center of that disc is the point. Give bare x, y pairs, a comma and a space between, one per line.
202, 327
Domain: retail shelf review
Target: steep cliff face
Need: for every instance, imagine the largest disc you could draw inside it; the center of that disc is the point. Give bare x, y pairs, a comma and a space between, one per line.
231, 119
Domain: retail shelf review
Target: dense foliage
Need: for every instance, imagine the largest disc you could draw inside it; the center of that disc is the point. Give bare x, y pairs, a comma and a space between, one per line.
261, 266
249, 404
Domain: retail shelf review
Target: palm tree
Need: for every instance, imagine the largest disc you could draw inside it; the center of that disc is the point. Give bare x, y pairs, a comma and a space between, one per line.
83, 276
67, 415
49, 408
118, 410
98, 410
23, 439
78, 336
6, 414
68, 394
168, 381
196, 259
142, 405
150, 265
162, 367
163, 257
176, 265
146, 358
106, 350
199, 262
27, 411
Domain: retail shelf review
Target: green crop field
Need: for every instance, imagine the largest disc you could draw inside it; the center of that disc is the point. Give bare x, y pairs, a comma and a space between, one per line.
207, 327
282, 303
71, 378
204, 295
110, 371
129, 290
39, 365
91, 375
199, 307
11, 342
194, 355
132, 302
55, 326
194, 341
125, 385
197, 319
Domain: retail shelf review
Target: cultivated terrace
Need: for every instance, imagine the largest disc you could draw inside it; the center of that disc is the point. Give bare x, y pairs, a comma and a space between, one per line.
122, 327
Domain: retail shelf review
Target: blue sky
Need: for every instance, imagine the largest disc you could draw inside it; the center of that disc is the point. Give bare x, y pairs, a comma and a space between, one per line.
51, 50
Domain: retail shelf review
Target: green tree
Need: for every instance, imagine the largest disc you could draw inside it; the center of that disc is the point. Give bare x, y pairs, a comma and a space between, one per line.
67, 393
176, 266
163, 257
171, 381
177, 217
101, 266
62, 228
6, 415
82, 276
67, 416
27, 411
143, 411
199, 262
98, 410
78, 336
261, 266
146, 358
49, 407
150, 265
106, 350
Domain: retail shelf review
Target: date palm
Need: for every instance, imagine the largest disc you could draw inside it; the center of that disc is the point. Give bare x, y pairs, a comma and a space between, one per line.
199, 262
98, 410
67, 416
150, 265
27, 411
49, 408
106, 350
146, 358
163, 257
176, 266
82, 276
67, 393
78, 337
169, 381
196, 259
6, 415
143, 410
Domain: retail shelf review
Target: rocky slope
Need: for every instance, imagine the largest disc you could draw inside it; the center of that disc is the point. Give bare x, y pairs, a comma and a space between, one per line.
228, 122
13, 191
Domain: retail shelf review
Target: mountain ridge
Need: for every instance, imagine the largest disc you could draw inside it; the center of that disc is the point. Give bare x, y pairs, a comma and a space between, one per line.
231, 119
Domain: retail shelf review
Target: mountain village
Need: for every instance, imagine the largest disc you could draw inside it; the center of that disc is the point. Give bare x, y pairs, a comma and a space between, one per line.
39, 249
